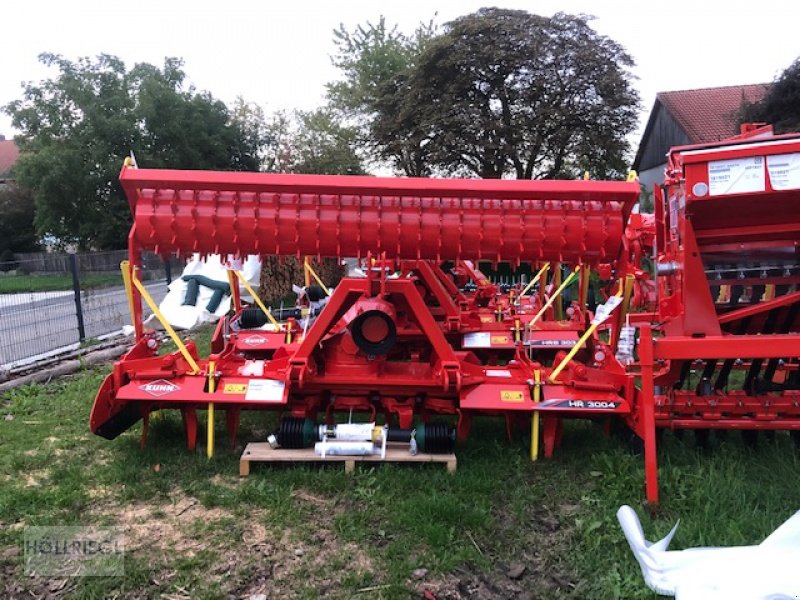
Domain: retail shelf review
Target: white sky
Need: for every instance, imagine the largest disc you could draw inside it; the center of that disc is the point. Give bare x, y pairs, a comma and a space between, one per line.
277, 54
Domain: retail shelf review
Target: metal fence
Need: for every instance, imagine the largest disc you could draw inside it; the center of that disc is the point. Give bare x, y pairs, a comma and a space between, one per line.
54, 302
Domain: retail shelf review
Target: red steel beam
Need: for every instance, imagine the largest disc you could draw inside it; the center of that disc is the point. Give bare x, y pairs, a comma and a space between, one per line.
339, 216
727, 346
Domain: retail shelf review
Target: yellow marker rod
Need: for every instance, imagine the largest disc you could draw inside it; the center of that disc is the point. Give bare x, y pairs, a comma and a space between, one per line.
585, 273
236, 299
537, 378
555, 295
306, 275
125, 267
533, 281
627, 293
558, 309
165, 324
571, 354
307, 267
212, 384
257, 300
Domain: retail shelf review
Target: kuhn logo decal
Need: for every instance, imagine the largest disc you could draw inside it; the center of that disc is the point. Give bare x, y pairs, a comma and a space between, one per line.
255, 340
162, 387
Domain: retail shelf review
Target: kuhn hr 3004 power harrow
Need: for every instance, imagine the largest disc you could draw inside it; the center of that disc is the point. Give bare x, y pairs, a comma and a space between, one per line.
425, 333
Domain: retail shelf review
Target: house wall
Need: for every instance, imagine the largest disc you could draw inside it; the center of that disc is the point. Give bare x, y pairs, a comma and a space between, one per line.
649, 177
663, 135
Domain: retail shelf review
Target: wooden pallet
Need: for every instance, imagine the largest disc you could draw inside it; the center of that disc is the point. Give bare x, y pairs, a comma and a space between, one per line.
263, 452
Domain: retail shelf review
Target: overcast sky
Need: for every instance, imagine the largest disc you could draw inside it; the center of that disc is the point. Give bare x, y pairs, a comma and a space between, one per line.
277, 53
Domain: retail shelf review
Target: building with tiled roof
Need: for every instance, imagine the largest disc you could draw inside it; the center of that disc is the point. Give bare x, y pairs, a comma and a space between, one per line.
9, 153
690, 117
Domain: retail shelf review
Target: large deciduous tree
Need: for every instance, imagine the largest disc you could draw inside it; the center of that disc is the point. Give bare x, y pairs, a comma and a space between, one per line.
781, 105
78, 126
505, 93
373, 59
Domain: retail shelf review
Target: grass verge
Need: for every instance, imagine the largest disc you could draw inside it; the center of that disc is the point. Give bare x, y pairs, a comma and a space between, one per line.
194, 529
20, 284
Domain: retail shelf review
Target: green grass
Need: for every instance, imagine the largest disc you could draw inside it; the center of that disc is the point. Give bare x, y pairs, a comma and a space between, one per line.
197, 530
15, 284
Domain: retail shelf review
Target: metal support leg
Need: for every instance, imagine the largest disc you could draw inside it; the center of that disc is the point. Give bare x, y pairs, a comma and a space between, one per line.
232, 424
549, 435
648, 415
189, 416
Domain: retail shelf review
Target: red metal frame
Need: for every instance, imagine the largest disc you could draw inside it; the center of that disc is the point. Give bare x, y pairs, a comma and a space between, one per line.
462, 352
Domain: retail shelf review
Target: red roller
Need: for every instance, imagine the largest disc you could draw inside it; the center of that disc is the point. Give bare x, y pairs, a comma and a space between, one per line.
341, 216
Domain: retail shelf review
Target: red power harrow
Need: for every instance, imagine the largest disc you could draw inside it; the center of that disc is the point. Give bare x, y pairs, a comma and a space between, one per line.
425, 333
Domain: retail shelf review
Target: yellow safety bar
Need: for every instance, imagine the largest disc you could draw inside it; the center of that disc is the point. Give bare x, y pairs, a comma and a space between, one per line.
571, 354
308, 269
627, 293
306, 275
125, 267
233, 286
537, 395
555, 295
212, 386
585, 275
164, 323
257, 300
533, 281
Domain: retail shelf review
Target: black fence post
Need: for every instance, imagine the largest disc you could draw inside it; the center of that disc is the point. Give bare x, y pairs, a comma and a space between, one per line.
76, 289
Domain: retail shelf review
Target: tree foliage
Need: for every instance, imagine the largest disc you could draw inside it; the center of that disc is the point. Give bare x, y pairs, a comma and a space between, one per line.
498, 93
17, 233
323, 145
313, 142
373, 58
781, 105
78, 126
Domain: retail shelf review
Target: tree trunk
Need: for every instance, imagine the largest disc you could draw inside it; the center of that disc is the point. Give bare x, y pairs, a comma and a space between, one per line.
279, 273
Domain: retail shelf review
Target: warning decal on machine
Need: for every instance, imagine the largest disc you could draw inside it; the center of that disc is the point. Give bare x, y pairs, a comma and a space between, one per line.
511, 396
265, 390
234, 388
736, 176
784, 171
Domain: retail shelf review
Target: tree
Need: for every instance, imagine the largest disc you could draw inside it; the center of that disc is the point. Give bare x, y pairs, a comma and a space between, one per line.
507, 93
79, 126
17, 232
323, 145
373, 58
781, 104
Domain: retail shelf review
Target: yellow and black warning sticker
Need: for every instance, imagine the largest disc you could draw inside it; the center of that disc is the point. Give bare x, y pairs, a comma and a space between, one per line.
499, 339
234, 388
511, 396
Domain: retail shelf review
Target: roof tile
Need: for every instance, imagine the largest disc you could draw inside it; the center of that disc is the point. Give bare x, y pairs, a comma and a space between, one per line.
710, 114
9, 153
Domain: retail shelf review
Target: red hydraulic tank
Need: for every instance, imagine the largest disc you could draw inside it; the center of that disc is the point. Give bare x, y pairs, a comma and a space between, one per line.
349, 216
